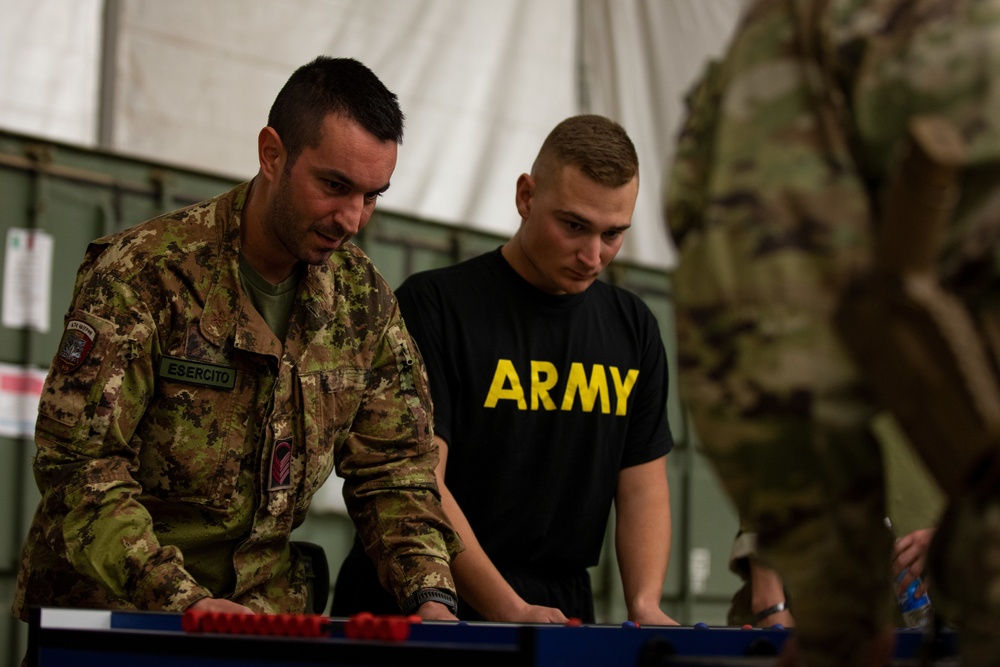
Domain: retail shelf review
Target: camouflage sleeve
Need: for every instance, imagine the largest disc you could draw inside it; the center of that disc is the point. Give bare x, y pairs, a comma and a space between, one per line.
94, 396
388, 464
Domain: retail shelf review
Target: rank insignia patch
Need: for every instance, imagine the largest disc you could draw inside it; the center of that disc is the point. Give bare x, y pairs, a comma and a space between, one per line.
281, 466
77, 340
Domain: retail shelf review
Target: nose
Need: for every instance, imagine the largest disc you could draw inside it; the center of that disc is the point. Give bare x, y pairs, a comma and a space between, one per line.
350, 214
589, 253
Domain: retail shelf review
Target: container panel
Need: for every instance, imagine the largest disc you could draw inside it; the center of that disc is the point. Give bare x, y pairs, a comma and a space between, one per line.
712, 525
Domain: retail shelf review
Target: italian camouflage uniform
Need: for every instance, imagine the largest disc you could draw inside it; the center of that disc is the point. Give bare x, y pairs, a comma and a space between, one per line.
179, 442
772, 217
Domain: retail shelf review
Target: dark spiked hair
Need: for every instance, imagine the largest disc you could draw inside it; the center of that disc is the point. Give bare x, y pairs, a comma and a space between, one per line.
333, 85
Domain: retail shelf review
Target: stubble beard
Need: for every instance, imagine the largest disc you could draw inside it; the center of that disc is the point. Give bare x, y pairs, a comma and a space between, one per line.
283, 218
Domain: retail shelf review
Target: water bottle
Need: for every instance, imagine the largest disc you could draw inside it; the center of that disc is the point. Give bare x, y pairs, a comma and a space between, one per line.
916, 610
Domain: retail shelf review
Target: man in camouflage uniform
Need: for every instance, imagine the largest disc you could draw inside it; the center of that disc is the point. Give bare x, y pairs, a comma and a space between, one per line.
219, 362
789, 148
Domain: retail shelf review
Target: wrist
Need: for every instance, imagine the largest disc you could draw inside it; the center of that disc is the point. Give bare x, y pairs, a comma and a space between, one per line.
770, 611
640, 608
447, 598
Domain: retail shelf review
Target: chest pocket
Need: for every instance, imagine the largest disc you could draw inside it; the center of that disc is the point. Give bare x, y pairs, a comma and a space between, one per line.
190, 449
331, 400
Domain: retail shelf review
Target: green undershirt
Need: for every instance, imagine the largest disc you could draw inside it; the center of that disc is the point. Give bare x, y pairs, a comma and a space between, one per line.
273, 302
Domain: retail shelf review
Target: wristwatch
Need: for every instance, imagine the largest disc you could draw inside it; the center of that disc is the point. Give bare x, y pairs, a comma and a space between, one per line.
430, 595
770, 611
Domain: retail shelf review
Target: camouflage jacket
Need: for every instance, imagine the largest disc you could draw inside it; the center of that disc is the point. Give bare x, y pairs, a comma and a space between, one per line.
179, 442
790, 146
771, 203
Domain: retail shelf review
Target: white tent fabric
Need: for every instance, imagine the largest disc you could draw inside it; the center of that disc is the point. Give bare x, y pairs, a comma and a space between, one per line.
49, 66
640, 57
480, 81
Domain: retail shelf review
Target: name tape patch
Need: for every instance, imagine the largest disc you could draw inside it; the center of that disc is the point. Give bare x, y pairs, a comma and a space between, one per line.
197, 372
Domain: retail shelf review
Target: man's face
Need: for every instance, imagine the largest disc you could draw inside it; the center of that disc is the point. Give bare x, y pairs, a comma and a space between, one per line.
329, 192
571, 228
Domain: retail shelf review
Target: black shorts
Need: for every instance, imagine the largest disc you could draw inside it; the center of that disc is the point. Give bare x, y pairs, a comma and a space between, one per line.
357, 588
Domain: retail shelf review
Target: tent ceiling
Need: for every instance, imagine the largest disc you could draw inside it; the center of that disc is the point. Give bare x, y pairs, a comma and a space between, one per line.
481, 83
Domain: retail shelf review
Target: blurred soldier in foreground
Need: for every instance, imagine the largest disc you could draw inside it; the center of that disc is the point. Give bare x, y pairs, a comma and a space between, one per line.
836, 203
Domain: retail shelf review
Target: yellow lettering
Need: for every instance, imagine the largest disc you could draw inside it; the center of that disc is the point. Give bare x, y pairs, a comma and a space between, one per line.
588, 390
498, 389
540, 385
623, 389
507, 386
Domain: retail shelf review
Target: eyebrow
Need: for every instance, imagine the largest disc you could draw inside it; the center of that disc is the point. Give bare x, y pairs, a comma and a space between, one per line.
336, 175
585, 221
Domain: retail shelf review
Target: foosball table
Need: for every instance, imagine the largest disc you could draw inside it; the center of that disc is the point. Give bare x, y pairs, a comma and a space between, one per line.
86, 638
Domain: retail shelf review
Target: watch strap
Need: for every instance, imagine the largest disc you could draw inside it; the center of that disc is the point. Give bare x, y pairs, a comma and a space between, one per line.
430, 595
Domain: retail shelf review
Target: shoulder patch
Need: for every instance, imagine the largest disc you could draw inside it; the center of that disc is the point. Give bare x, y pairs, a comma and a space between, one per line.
77, 341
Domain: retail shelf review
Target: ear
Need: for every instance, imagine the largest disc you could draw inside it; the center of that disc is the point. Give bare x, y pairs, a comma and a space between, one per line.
525, 192
270, 153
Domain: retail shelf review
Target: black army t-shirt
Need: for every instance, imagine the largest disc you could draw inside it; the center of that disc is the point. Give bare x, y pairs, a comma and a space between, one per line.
542, 399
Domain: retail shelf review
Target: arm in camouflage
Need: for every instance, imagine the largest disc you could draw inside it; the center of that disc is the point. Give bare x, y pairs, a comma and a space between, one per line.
84, 467
388, 463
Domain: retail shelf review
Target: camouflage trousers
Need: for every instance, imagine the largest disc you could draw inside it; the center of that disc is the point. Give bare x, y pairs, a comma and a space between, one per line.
816, 499
964, 563
804, 469
780, 413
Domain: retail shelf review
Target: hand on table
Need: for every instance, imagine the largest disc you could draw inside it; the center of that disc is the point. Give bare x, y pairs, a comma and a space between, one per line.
435, 611
535, 613
653, 617
219, 606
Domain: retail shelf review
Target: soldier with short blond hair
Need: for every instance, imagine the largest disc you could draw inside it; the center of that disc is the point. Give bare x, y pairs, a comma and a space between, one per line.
550, 391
